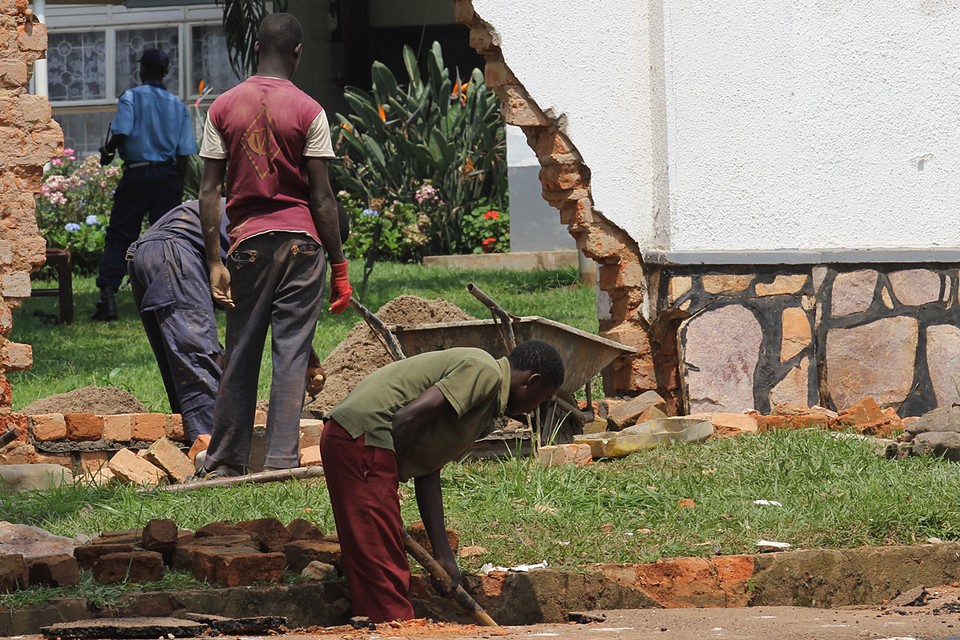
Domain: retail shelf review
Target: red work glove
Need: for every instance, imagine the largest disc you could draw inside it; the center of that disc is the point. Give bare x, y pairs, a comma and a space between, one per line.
340, 289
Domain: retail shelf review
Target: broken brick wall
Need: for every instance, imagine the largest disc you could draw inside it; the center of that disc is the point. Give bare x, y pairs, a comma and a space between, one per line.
565, 179
31, 138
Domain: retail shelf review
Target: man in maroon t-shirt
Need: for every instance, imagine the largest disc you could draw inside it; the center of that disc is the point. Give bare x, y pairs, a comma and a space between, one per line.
272, 143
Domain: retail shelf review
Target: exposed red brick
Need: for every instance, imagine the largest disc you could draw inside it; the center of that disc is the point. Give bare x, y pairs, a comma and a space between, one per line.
14, 573
118, 428
269, 531
200, 444
88, 554
83, 426
301, 529
17, 357
300, 553
149, 426
61, 570
174, 428
233, 567
128, 566
50, 426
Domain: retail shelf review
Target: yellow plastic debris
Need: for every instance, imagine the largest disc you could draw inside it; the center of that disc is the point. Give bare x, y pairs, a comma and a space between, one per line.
617, 444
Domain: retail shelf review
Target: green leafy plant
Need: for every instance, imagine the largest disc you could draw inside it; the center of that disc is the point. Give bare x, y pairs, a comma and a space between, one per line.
437, 141
74, 205
487, 230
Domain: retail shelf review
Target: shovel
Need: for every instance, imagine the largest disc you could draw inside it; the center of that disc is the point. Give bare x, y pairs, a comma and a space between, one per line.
439, 574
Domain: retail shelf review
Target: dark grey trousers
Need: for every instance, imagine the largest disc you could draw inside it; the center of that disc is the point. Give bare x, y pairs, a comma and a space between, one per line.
276, 282
172, 290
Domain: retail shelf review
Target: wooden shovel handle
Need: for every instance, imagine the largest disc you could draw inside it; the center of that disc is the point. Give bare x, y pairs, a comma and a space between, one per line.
440, 574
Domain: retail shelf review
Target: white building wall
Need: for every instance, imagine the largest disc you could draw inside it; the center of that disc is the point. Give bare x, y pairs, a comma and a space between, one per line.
813, 124
588, 63
799, 125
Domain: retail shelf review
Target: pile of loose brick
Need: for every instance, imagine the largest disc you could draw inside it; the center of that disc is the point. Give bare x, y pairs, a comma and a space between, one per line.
219, 553
138, 448
615, 414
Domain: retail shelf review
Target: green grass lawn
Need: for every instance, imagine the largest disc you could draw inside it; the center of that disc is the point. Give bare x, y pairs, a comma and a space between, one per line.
117, 353
835, 493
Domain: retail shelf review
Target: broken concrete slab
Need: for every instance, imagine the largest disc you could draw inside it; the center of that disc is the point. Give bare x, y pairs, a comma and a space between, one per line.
125, 628
32, 542
33, 477
251, 624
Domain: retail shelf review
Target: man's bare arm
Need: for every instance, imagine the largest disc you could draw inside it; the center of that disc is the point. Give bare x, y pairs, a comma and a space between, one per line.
210, 212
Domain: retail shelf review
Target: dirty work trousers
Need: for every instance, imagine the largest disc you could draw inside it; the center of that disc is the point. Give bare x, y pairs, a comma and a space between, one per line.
142, 191
172, 291
276, 281
363, 482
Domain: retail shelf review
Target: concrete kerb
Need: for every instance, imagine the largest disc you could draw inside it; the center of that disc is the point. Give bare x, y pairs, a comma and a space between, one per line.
817, 577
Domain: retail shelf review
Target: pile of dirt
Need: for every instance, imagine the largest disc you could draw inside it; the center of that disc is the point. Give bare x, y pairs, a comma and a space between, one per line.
418, 628
361, 352
102, 401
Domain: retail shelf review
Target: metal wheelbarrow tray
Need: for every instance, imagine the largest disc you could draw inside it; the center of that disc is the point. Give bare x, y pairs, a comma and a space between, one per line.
583, 354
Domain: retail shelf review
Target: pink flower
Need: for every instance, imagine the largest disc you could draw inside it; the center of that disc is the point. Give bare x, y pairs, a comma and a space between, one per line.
56, 162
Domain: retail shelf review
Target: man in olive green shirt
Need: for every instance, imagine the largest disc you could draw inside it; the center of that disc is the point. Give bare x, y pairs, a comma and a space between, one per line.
405, 421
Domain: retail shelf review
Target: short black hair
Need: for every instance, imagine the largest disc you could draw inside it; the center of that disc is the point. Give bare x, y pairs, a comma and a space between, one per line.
539, 357
279, 33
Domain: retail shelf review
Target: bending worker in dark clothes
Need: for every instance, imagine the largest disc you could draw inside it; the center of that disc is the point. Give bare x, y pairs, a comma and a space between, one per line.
153, 133
171, 286
404, 421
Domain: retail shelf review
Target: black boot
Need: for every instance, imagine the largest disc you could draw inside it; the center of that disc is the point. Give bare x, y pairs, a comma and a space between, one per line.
106, 308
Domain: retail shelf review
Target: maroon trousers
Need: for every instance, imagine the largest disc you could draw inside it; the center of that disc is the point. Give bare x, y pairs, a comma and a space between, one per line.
363, 483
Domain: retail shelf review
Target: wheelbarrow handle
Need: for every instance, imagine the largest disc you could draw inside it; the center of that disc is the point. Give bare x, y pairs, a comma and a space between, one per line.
506, 320
376, 324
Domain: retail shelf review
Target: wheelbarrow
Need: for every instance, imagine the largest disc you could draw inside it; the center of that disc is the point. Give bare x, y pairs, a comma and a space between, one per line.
583, 354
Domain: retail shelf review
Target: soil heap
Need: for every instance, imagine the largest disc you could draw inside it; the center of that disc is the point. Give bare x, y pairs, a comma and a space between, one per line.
102, 401
361, 352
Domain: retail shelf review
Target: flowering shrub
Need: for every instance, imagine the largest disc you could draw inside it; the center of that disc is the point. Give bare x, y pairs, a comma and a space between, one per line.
74, 205
487, 230
393, 231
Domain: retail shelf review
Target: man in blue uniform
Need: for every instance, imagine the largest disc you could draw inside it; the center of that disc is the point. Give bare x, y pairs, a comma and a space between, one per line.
153, 133
171, 286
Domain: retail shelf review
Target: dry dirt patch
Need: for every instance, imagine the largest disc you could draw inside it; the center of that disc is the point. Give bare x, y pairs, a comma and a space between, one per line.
99, 400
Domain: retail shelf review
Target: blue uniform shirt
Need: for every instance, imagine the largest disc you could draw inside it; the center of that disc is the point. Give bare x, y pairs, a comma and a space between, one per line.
156, 123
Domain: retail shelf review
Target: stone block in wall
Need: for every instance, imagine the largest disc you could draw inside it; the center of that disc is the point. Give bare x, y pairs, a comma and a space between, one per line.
719, 352
557, 177
876, 359
796, 332
93, 462
118, 427
679, 285
794, 388
83, 426
783, 284
853, 292
19, 453
943, 362
149, 426
915, 287
47, 427
726, 282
